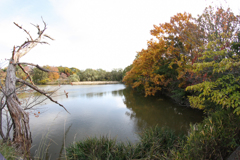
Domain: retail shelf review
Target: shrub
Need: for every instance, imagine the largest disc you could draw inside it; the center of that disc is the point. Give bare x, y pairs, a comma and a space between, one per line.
215, 138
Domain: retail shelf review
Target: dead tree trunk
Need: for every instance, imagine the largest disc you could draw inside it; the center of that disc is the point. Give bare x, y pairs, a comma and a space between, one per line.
20, 119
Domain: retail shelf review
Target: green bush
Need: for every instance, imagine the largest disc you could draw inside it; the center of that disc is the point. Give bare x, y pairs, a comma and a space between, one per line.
215, 138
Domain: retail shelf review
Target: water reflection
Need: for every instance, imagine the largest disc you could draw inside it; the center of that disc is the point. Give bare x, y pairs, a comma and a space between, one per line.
118, 93
151, 111
91, 95
105, 110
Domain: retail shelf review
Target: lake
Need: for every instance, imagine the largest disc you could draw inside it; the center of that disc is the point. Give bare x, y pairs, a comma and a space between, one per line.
112, 110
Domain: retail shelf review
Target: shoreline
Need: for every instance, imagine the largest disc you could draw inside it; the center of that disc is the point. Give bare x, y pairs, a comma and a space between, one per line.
83, 83
95, 82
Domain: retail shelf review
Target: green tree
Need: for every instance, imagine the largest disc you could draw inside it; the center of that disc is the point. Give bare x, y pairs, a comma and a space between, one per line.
39, 77
219, 64
73, 78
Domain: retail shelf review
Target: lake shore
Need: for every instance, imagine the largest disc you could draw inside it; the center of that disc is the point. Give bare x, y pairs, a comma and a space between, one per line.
95, 82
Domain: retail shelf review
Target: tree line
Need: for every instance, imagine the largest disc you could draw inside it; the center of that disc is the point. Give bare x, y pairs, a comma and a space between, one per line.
67, 74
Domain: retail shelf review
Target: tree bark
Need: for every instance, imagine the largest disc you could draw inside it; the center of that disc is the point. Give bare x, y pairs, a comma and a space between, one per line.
21, 130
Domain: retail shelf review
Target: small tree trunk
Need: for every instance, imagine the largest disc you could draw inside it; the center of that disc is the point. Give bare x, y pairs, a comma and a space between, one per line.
21, 130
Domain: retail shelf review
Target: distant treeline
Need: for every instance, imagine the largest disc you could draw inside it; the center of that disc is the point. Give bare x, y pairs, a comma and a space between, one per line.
68, 75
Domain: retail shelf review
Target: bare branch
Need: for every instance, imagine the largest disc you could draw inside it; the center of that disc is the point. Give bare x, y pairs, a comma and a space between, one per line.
29, 44
26, 43
36, 65
31, 105
28, 76
24, 30
13, 52
48, 37
38, 28
40, 91
45, 26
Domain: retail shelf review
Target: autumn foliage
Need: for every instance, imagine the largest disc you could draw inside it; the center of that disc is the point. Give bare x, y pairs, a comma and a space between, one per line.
167, 57
53, 75
195, 58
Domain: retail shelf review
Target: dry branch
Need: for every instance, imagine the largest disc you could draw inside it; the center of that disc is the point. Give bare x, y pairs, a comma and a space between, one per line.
23, 30
40, 91
36, 65
13, 52
28, 76
48, 37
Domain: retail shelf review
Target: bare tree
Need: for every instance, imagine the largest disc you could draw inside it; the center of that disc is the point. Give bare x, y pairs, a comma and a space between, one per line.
8, 92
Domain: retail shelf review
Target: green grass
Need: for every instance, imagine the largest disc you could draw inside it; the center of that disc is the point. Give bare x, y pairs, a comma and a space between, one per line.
100, 148
155, 143
8, 151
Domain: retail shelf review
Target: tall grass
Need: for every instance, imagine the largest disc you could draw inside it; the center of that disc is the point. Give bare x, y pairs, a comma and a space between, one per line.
42, 150
155, 142
100, 148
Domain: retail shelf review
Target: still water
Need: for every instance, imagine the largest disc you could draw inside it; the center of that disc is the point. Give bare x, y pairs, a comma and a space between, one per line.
95, 110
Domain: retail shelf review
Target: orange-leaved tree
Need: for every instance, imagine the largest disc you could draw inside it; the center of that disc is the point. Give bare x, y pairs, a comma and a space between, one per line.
163, 64
54, 75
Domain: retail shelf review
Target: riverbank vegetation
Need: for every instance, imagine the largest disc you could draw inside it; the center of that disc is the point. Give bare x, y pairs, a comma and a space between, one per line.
196, 62
215, 138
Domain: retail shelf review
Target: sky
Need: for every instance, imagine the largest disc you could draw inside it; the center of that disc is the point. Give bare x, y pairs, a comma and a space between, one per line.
95, 34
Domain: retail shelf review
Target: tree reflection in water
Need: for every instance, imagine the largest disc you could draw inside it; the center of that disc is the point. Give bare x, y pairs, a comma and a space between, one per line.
162, 111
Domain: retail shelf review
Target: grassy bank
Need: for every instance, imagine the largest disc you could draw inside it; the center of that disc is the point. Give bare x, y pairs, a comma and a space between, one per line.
215, 138
154, 142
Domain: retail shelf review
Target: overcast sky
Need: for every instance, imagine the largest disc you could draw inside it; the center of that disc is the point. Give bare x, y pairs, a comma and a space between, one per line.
94, 34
